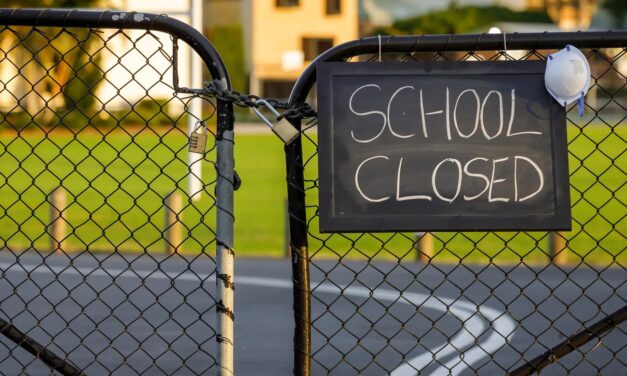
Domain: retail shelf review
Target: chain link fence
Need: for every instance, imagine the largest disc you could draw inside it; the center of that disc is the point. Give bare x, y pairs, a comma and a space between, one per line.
470, 302
110, 256
107, 252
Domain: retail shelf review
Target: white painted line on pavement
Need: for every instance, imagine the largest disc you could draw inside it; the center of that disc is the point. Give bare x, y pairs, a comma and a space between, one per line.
503, 328
470, 314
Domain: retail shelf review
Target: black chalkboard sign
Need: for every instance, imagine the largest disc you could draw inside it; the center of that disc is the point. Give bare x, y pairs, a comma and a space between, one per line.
440, 146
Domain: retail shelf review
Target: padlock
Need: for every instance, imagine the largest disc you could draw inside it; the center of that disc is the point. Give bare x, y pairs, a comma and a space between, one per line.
198, 138
284, 129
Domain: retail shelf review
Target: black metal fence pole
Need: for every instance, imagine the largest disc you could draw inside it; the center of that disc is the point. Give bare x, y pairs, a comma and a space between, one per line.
55, 362
572, 343
300, 255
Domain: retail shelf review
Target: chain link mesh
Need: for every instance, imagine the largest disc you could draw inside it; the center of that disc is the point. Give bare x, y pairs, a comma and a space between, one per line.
106, 260
482, 302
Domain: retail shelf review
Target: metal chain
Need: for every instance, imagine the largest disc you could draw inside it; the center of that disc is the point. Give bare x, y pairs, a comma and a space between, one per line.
250, 100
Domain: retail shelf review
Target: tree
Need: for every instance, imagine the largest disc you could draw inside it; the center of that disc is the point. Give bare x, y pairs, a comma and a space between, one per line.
457, 19
617, 10
229, 41
48, 3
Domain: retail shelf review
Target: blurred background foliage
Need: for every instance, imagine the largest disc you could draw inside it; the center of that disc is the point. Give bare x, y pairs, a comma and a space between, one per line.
618, 10
457, 19
229, 40
48, 3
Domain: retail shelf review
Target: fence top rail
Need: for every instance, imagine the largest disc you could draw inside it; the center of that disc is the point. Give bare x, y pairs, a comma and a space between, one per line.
455, 42
122, 20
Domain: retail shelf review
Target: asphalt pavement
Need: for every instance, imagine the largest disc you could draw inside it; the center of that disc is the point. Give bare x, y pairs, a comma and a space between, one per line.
137, 314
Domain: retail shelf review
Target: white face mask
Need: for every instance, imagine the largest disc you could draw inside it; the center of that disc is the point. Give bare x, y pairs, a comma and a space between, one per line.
567, 76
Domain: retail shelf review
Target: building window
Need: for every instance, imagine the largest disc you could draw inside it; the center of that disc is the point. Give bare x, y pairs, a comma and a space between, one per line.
334, 6
278, 89
312, 47
287, 3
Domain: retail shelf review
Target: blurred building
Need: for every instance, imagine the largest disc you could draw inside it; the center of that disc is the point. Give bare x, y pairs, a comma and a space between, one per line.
123, 61
272, 41
126, 67
568, 14
282, 36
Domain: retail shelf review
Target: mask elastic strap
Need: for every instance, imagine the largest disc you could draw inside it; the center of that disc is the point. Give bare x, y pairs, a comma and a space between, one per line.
580, 105
504, 46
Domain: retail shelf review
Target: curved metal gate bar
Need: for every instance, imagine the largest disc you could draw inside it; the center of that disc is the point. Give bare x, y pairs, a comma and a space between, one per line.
114, 266
450, 43
122, 20
331, 320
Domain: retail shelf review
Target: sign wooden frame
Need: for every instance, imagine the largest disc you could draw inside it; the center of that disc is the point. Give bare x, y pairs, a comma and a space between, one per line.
535, 218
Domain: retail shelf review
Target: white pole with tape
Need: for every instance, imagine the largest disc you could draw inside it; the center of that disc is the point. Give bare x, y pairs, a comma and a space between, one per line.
195, 184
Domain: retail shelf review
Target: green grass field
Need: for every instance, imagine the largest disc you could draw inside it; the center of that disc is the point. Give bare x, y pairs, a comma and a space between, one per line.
117, 186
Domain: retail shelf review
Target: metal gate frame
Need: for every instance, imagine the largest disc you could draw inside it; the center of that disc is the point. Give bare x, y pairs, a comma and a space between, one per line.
224, 140
387, 45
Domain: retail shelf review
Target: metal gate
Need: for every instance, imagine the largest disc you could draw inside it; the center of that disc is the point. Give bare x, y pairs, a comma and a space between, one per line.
109, 259
113, 263
481, 302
